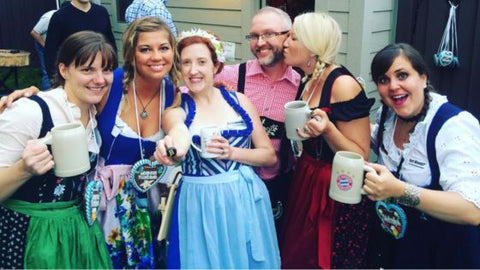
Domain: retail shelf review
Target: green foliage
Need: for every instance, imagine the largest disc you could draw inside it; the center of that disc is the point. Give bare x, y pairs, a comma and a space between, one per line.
26, 77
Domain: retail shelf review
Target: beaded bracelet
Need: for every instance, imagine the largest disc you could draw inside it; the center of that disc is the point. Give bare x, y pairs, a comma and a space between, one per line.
411, 196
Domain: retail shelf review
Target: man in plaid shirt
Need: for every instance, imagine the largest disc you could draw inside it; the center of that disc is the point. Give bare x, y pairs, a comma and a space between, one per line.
144, 8
269, 83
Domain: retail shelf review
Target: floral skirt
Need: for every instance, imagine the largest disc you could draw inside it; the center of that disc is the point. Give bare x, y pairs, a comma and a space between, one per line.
125, 221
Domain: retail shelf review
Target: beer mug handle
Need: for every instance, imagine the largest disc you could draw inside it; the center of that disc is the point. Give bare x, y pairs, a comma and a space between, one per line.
47, 139
369, 169
196, 147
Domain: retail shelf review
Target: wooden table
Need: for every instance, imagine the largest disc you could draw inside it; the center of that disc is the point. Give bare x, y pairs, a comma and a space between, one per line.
12, 59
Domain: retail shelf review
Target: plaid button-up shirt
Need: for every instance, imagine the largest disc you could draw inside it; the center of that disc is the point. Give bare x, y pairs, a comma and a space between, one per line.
144, 8
269, 98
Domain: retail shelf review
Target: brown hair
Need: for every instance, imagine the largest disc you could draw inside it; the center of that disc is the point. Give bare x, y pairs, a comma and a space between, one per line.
185, 42
82, 47
130, 40
190, 40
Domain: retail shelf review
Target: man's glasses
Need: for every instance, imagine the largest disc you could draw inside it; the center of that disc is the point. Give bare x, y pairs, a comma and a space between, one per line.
265, 36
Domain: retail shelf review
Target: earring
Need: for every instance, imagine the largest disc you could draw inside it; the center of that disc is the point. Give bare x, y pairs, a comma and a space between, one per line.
309, 63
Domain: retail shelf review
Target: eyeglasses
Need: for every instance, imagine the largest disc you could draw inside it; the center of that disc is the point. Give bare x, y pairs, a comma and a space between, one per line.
265, 36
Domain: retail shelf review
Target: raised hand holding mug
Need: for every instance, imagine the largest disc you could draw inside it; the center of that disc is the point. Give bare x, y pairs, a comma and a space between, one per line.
297, 113
69, 149
346, 183
206, 134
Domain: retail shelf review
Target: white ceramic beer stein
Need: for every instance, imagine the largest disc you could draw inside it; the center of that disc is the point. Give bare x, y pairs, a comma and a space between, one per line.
69, 149
297, 113
346, 183
206, 134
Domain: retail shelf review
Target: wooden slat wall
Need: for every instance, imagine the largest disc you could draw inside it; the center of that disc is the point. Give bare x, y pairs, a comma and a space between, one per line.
367, 26
206, 4
229, 19
117, 26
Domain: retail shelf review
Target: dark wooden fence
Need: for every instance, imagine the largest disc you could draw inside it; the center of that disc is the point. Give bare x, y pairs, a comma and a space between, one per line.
17, 18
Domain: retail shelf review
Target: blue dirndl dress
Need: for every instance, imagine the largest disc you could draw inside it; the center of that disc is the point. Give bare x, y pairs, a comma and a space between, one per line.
222, 216
128, 220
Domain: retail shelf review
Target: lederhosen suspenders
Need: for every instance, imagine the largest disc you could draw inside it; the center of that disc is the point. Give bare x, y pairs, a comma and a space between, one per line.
280, 133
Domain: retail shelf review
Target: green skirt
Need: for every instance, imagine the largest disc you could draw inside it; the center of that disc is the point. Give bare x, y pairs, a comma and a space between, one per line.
59, 237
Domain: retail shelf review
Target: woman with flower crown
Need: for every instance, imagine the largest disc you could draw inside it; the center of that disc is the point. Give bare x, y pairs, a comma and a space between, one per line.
222, 215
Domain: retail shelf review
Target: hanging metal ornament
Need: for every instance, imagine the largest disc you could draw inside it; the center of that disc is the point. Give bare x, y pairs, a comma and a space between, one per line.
447, 54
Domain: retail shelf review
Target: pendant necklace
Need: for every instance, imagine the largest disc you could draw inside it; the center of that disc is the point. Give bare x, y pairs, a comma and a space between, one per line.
145, 172
144, 113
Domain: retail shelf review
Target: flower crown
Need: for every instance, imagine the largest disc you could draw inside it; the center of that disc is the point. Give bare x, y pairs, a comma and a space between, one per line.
217, 44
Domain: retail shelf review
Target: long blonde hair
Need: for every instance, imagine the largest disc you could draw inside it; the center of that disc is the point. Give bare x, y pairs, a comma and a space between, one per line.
321, 35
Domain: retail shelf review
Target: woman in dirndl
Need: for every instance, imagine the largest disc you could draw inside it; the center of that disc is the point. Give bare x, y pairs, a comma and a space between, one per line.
42, 220
319, 232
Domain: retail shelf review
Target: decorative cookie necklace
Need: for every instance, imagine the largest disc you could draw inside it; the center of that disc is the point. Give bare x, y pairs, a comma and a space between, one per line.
447, 53
393, 218
93, 196
93, 189
144, 113
145, 172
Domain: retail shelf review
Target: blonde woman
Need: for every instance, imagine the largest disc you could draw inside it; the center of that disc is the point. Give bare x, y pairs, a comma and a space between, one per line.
319, 232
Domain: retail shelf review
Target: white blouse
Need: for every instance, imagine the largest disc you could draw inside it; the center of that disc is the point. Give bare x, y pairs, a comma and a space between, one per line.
457, 146
23, 122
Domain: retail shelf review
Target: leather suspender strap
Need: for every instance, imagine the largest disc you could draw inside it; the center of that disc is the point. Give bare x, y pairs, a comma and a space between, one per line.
241, 77
445, 112
47, 124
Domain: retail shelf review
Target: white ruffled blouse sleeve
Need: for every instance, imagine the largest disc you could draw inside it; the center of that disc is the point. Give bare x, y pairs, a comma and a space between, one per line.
458, 155
18, 124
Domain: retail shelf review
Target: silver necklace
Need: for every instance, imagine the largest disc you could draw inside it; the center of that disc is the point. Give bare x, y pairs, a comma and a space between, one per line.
161, 92
144, 113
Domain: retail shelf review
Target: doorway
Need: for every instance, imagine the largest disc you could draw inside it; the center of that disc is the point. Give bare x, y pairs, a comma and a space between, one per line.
293, 7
